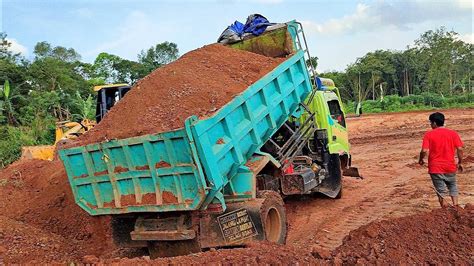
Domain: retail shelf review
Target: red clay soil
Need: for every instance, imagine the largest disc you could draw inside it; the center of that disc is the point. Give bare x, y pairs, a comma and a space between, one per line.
40, 220
254, 254
198, 83
442, 236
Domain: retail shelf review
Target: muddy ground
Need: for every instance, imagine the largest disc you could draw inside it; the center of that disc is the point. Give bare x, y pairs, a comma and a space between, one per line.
39, 222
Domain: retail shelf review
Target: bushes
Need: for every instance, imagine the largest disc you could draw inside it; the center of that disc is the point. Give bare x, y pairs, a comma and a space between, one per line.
12, 139
425, 101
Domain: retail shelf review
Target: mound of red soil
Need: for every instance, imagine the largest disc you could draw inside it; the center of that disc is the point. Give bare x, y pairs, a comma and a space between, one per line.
198, 83
40, 218
443, 236
255, 254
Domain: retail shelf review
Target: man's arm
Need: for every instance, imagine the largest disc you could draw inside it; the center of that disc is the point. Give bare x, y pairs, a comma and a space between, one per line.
422, 156
424, 148
460, 155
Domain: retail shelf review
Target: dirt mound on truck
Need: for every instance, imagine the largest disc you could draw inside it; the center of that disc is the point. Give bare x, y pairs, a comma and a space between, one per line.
40, 219
198, 83
442, 236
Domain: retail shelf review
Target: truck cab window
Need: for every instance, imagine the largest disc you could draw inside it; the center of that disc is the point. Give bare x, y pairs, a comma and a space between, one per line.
336, 112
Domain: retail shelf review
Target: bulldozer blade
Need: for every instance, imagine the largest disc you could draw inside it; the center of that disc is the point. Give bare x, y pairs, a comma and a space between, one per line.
43, 152
351, 171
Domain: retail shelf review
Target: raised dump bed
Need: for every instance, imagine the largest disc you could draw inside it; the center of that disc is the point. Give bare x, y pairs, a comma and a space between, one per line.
188, 168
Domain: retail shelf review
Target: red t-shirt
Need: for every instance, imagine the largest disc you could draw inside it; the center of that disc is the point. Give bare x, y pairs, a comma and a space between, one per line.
441, 143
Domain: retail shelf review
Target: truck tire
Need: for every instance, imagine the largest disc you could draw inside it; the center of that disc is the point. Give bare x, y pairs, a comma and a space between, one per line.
273, 216
159, 249
335, 171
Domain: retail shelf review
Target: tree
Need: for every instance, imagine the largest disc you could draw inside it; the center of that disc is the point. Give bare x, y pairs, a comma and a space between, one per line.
158, 55
44, 49
312, 61
56, 70
446, 57
6, 105
114, 69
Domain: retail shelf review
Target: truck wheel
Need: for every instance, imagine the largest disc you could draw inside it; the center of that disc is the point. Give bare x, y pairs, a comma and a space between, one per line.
273, 215
158, 249
335, 171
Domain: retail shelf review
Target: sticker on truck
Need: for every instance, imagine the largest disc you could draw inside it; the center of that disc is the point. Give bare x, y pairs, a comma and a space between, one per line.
236, 226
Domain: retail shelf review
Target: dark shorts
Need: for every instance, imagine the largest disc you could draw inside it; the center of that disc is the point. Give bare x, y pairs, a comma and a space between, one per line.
444, 183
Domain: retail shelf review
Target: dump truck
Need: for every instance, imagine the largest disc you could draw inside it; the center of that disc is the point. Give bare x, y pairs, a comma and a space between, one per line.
220, 180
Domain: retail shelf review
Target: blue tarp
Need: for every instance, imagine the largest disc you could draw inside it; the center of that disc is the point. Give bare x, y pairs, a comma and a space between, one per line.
255, 24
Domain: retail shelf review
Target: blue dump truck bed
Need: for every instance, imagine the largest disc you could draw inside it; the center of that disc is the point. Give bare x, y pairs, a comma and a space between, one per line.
187, 169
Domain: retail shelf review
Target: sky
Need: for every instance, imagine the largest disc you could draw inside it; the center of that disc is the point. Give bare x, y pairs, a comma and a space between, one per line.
337, 31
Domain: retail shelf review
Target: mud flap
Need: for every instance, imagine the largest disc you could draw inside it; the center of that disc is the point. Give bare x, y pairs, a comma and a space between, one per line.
352, 172
332, 184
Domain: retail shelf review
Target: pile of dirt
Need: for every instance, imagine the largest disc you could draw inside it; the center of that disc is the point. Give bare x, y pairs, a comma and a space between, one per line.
442, 236
198, 83
262, 253
40, 220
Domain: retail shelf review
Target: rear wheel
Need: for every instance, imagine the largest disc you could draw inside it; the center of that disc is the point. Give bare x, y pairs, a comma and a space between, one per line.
273, 215
158, 249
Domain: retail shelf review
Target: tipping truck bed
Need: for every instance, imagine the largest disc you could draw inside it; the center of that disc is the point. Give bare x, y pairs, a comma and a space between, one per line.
187, 169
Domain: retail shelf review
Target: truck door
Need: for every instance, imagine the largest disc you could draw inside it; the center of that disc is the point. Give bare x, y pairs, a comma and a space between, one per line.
339, 139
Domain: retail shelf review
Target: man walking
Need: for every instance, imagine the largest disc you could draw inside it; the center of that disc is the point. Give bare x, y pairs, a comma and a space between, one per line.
441, 143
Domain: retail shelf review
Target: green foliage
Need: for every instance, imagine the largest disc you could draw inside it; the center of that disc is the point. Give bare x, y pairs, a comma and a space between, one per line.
313, 61
86, 107
425, 101
5, 92
11, 141
158, 55
56, 86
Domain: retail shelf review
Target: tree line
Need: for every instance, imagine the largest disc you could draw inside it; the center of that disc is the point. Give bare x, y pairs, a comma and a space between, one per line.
438, 62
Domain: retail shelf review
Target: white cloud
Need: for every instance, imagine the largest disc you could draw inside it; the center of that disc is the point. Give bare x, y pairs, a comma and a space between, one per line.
359, 19
468, 38
393, 14
16, 47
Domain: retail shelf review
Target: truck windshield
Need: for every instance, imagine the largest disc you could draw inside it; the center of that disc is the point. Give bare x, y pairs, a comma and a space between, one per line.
336, 112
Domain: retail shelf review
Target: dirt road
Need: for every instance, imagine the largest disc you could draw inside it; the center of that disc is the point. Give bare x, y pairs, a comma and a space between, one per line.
385, 148
39, 221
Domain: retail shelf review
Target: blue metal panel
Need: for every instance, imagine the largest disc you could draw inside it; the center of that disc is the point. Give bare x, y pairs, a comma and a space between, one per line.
226, 140
148, 173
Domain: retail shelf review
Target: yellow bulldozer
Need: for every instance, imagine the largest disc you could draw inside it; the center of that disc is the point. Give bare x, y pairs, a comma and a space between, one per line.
107, 96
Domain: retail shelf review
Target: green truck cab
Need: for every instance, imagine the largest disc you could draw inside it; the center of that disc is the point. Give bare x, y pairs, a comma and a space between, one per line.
330, 115
326, 105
